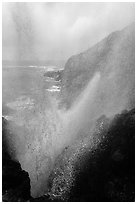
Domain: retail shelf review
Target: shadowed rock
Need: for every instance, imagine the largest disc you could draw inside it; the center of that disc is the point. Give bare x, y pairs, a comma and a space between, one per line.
15, 181
100, 166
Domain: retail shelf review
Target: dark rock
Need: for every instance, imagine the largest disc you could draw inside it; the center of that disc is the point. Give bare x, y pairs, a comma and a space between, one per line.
56, 75
101, 166
15, 181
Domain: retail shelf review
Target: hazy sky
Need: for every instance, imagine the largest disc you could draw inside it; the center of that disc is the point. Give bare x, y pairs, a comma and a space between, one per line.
43, 31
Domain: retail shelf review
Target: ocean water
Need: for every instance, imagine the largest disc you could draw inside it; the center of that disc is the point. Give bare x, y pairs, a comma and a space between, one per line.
25, 87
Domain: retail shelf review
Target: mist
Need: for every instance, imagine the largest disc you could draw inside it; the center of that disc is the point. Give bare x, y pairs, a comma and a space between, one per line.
43, 31
56, 31
38, 143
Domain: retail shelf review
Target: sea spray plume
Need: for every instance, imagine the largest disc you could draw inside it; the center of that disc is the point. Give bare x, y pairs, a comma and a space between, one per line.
82, 114
34, 151
43, 136
50, 130
63, 128
60, 130
77, 119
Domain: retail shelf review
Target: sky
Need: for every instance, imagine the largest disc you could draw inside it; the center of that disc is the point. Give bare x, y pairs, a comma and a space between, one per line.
56, 31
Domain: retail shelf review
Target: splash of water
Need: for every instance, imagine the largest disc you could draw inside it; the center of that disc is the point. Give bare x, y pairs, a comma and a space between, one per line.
43, 136
82, 114
48, 132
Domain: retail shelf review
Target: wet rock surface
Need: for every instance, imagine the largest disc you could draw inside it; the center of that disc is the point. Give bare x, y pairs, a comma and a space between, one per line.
100, 167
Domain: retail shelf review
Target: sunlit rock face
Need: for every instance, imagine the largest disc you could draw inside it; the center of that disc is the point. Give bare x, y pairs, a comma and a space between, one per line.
114, 58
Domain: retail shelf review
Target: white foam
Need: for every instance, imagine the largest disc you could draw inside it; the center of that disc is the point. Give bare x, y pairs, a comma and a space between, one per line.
54, 89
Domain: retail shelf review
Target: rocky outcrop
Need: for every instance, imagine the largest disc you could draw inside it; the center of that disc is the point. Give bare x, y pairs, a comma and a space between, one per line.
56, 75
100, 166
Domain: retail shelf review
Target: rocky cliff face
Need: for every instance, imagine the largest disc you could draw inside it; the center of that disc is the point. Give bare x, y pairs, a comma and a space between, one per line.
114, 58
100, 167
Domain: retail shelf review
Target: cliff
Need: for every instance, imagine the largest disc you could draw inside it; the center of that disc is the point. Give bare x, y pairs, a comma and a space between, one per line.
113, 57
